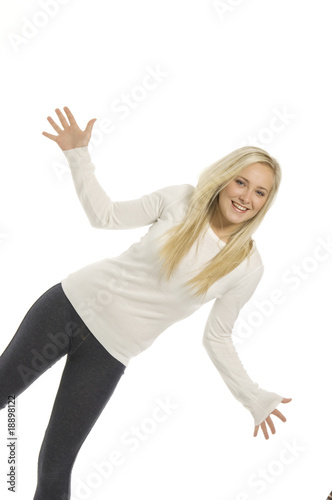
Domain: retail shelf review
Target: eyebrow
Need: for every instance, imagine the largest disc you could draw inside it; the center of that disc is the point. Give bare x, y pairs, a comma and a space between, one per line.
259, 187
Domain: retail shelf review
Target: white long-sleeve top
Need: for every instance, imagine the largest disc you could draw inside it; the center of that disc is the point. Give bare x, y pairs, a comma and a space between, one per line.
126, 302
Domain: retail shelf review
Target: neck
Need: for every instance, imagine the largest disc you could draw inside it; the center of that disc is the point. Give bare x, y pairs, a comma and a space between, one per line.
223, 229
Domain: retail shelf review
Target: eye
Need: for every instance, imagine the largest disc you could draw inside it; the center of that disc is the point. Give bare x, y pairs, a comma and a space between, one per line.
260, 193
241, 183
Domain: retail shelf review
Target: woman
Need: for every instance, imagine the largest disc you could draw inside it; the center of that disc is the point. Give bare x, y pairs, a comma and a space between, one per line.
198, 248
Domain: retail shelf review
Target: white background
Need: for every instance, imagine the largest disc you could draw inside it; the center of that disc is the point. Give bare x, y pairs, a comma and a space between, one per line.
228, 73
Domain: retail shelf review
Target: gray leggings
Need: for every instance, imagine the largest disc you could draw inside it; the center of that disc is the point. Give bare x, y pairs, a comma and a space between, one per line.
50, 329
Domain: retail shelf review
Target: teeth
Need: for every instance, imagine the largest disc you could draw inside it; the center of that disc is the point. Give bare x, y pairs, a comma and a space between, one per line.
239, 207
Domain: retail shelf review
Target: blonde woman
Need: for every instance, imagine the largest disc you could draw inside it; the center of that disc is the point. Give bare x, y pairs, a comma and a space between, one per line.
198, 247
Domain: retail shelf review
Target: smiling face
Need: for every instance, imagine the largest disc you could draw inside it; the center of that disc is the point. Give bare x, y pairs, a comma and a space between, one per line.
243, 197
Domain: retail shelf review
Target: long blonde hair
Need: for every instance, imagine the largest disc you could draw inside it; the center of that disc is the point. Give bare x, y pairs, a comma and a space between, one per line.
201, 208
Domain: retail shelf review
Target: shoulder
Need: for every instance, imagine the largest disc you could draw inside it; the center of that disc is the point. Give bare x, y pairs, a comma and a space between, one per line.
253, 265
255, 256
177, 193
251, 269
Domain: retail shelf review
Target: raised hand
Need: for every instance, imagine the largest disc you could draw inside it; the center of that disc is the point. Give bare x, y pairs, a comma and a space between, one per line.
71, 136
269, 421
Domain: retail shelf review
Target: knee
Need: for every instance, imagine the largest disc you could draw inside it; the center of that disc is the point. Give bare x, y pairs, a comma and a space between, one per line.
51, 493
52, 490
53, 482
3, 399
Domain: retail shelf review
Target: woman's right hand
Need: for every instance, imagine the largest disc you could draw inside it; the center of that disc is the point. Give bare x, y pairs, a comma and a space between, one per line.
71, 136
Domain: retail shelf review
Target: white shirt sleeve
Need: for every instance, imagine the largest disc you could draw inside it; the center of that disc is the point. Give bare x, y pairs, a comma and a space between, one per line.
101, 211
219, 345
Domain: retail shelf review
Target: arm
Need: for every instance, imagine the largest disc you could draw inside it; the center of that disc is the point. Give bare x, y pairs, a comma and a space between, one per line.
218, 343
102, 212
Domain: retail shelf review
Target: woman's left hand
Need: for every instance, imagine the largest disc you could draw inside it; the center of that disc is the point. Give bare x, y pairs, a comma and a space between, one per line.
269, 421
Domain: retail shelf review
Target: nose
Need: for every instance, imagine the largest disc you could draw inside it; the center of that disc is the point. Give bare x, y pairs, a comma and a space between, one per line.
245, 197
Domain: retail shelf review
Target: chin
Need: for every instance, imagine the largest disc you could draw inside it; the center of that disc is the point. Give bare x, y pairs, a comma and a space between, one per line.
235, 217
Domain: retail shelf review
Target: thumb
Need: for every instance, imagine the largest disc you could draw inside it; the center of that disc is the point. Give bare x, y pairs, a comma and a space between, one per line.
286, 400
90, 124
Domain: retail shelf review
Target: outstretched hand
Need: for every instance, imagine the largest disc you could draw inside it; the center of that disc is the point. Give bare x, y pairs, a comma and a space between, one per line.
71, 136
269, 421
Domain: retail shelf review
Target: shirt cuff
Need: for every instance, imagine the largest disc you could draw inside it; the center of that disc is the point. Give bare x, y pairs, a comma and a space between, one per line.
77, 156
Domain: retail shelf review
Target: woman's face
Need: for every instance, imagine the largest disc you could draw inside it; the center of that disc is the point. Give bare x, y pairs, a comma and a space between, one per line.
245, 195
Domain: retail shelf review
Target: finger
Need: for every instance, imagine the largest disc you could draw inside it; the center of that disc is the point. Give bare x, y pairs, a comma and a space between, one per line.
89, 126
271, 424
54, 125
278, 414
286, 400
256, 430
264, 429
70, 116
61, 118
50, 136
